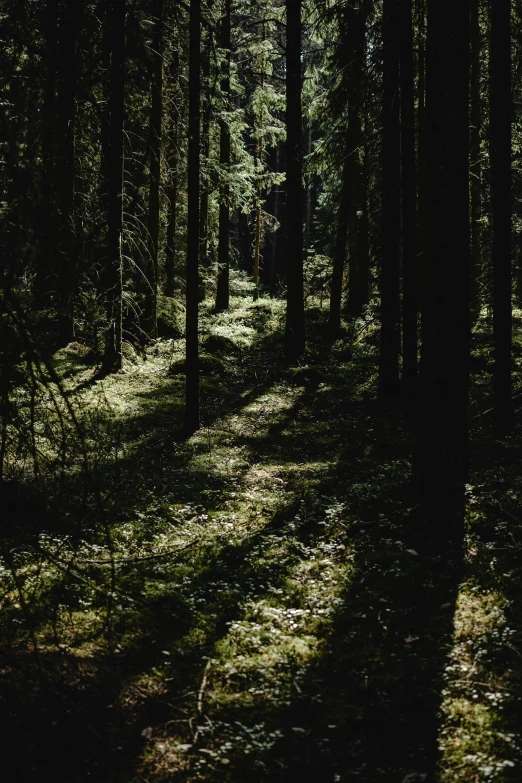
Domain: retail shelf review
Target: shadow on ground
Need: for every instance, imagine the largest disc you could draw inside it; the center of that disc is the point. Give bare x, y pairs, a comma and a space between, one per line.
367, 706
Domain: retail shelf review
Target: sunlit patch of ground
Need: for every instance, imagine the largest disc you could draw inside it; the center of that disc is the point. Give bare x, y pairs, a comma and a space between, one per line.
475, 741
205, 608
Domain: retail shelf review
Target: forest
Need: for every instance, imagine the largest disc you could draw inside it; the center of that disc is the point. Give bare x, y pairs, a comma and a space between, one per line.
261, 391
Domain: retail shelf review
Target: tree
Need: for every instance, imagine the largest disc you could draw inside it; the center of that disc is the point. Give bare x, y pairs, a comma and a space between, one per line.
156, 121
112, 359
172, 191
441, 454
358, 259
65, 168
191, 337
44, 272
475, 157
391, 206
222, 292
408, 197
500, 121
295, 326
339, 255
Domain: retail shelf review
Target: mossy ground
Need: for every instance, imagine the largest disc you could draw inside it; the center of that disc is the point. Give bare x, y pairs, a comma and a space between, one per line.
247, 604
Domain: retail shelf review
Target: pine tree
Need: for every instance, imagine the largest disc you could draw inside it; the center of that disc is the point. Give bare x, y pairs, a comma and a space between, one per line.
295, 327
112, 359
391, 206
442, 426
409, 198
223, 292
192, 297
500, 121
155, 145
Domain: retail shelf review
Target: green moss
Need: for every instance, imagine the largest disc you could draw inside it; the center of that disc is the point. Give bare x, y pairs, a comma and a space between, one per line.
171, 317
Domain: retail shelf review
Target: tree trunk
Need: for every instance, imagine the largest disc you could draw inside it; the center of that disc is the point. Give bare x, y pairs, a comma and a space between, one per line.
172, 193
295, 327
192, 361
421, 111
409, 201
475, 159
339, 256
441, 452
44, 272
274, 245
205, 184
170, 249
357, 206
156, 115
501, 103
65, 170
391, 208
223, 283
112, 359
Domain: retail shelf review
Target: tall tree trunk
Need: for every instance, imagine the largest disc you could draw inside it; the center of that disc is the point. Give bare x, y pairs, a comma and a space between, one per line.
339, 256
409, 200
475, 162
442, 425
357, 207
192, 361
156, 116
501, 107
421, 112
391, 208
172, 193
223, 283
295, 326
259, 165
274, 245
205, 184
308, 238
172, 198
43, 282
112, 359
65, 169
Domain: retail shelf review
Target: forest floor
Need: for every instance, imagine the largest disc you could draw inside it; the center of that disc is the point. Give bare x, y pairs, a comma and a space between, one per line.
246, 604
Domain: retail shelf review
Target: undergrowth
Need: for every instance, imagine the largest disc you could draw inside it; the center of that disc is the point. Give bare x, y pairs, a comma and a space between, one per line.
247, 604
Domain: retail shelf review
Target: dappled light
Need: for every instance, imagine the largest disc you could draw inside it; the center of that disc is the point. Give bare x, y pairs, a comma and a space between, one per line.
261, 391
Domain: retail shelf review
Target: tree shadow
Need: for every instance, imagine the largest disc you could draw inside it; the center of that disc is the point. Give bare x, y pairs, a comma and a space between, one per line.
367, 708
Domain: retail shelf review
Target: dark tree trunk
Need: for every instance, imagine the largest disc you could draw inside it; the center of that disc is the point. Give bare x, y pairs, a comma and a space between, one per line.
474, 154
156, 115
339, 256
363, 285
295, 327
112, 359
421, 111
65, 169
390, 342
501, 207
357, 208
44, 273
308, 239
170, 249
274, 244
223, 283
205, 184
409, 200
192, 361
172, 194
442, 424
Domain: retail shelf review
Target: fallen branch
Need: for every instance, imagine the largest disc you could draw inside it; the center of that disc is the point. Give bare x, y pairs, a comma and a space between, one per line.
492, 410
203, 685
107, 561
201, 694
